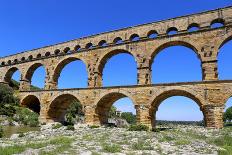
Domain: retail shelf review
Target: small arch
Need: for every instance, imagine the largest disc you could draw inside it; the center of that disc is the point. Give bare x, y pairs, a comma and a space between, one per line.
47, 54
152, 34
134, 37
67, 50
193, 27
59, 106
9, 62
172, 31
9, 77
118, 40
89, 46
57, 51
15, 60
102, 43
77, 48
23, 59
31, 102
217, 23
38, 56
3, 63
30, 57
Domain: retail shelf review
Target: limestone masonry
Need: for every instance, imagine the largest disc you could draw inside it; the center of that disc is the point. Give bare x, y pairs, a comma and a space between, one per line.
210, 94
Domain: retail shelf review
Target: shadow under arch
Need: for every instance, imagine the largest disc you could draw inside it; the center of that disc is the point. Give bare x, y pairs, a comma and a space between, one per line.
61, 65
171, 93
103, 60
31, 102
104, 104
171, 44
59, 106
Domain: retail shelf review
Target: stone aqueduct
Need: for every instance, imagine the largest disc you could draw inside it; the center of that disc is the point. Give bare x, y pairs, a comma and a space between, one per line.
210, 94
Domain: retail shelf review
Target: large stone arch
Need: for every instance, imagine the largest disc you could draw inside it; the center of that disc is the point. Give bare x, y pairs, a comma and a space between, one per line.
31, 70
58, 106
9, 73
105, 102
104, 58
60, 66
161, 96
31, 102
173, 43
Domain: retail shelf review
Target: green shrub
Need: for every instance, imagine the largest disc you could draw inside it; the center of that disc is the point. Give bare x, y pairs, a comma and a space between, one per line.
21, 134
27, 117
57, 126
112, 148
142, 145
93, 126
139, 127
129, 117
70, 127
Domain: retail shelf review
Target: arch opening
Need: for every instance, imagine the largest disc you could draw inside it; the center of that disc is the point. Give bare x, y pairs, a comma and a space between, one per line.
118, 40
152, 34
182, 108
36, 75
116, 109
224, 60
102, 43
89, 46
172, 31
193, 27
31, 102
60, 111
65, 68
13, 77
227, 116
217, 23
186, 67
114, 70
134, 37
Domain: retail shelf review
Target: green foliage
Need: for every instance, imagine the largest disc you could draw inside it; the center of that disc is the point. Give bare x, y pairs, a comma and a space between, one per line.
129, 117
112, 112
139, 127
93, 126
228, 115
111, 148
57, 126
7, 95
27, 117
1, 132
74, 110
70, 127
142, 145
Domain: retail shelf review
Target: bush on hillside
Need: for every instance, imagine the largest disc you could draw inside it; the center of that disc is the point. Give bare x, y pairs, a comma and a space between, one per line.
139, 127
129, 117
228, 115
75, 110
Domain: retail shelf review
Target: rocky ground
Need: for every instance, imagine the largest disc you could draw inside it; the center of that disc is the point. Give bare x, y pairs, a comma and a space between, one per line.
84, 140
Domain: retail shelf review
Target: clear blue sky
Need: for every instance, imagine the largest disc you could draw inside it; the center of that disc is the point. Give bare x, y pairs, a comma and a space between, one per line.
30, 24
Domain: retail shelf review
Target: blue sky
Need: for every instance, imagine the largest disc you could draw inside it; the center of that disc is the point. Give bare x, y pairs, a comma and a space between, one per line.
30, 24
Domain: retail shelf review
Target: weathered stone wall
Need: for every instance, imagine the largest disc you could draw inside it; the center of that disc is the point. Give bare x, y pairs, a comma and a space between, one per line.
94, 51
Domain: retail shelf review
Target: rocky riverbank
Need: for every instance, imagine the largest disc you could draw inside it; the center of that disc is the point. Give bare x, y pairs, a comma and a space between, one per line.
56, 139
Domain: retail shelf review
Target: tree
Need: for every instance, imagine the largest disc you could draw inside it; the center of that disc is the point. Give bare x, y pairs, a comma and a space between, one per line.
129, 117
75, 109
112, 112
228, 115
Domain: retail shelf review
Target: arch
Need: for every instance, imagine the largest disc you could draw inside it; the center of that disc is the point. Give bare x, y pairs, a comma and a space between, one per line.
67, 50
30, 57
193, 27
58, 107
104, 104
31, 102
77, 48
89, 46
102, 43
31, 70
134, 37
172, 31
224, 59
3, 63
152, 34
57, 51
107, 56
61, 65
15, 60
47, 54
159, 98
118, 40
216, 23
23, 59
9, 62
170, 44
9, 74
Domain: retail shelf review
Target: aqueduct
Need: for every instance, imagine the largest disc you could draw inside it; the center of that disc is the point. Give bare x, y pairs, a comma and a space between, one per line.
143, 42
